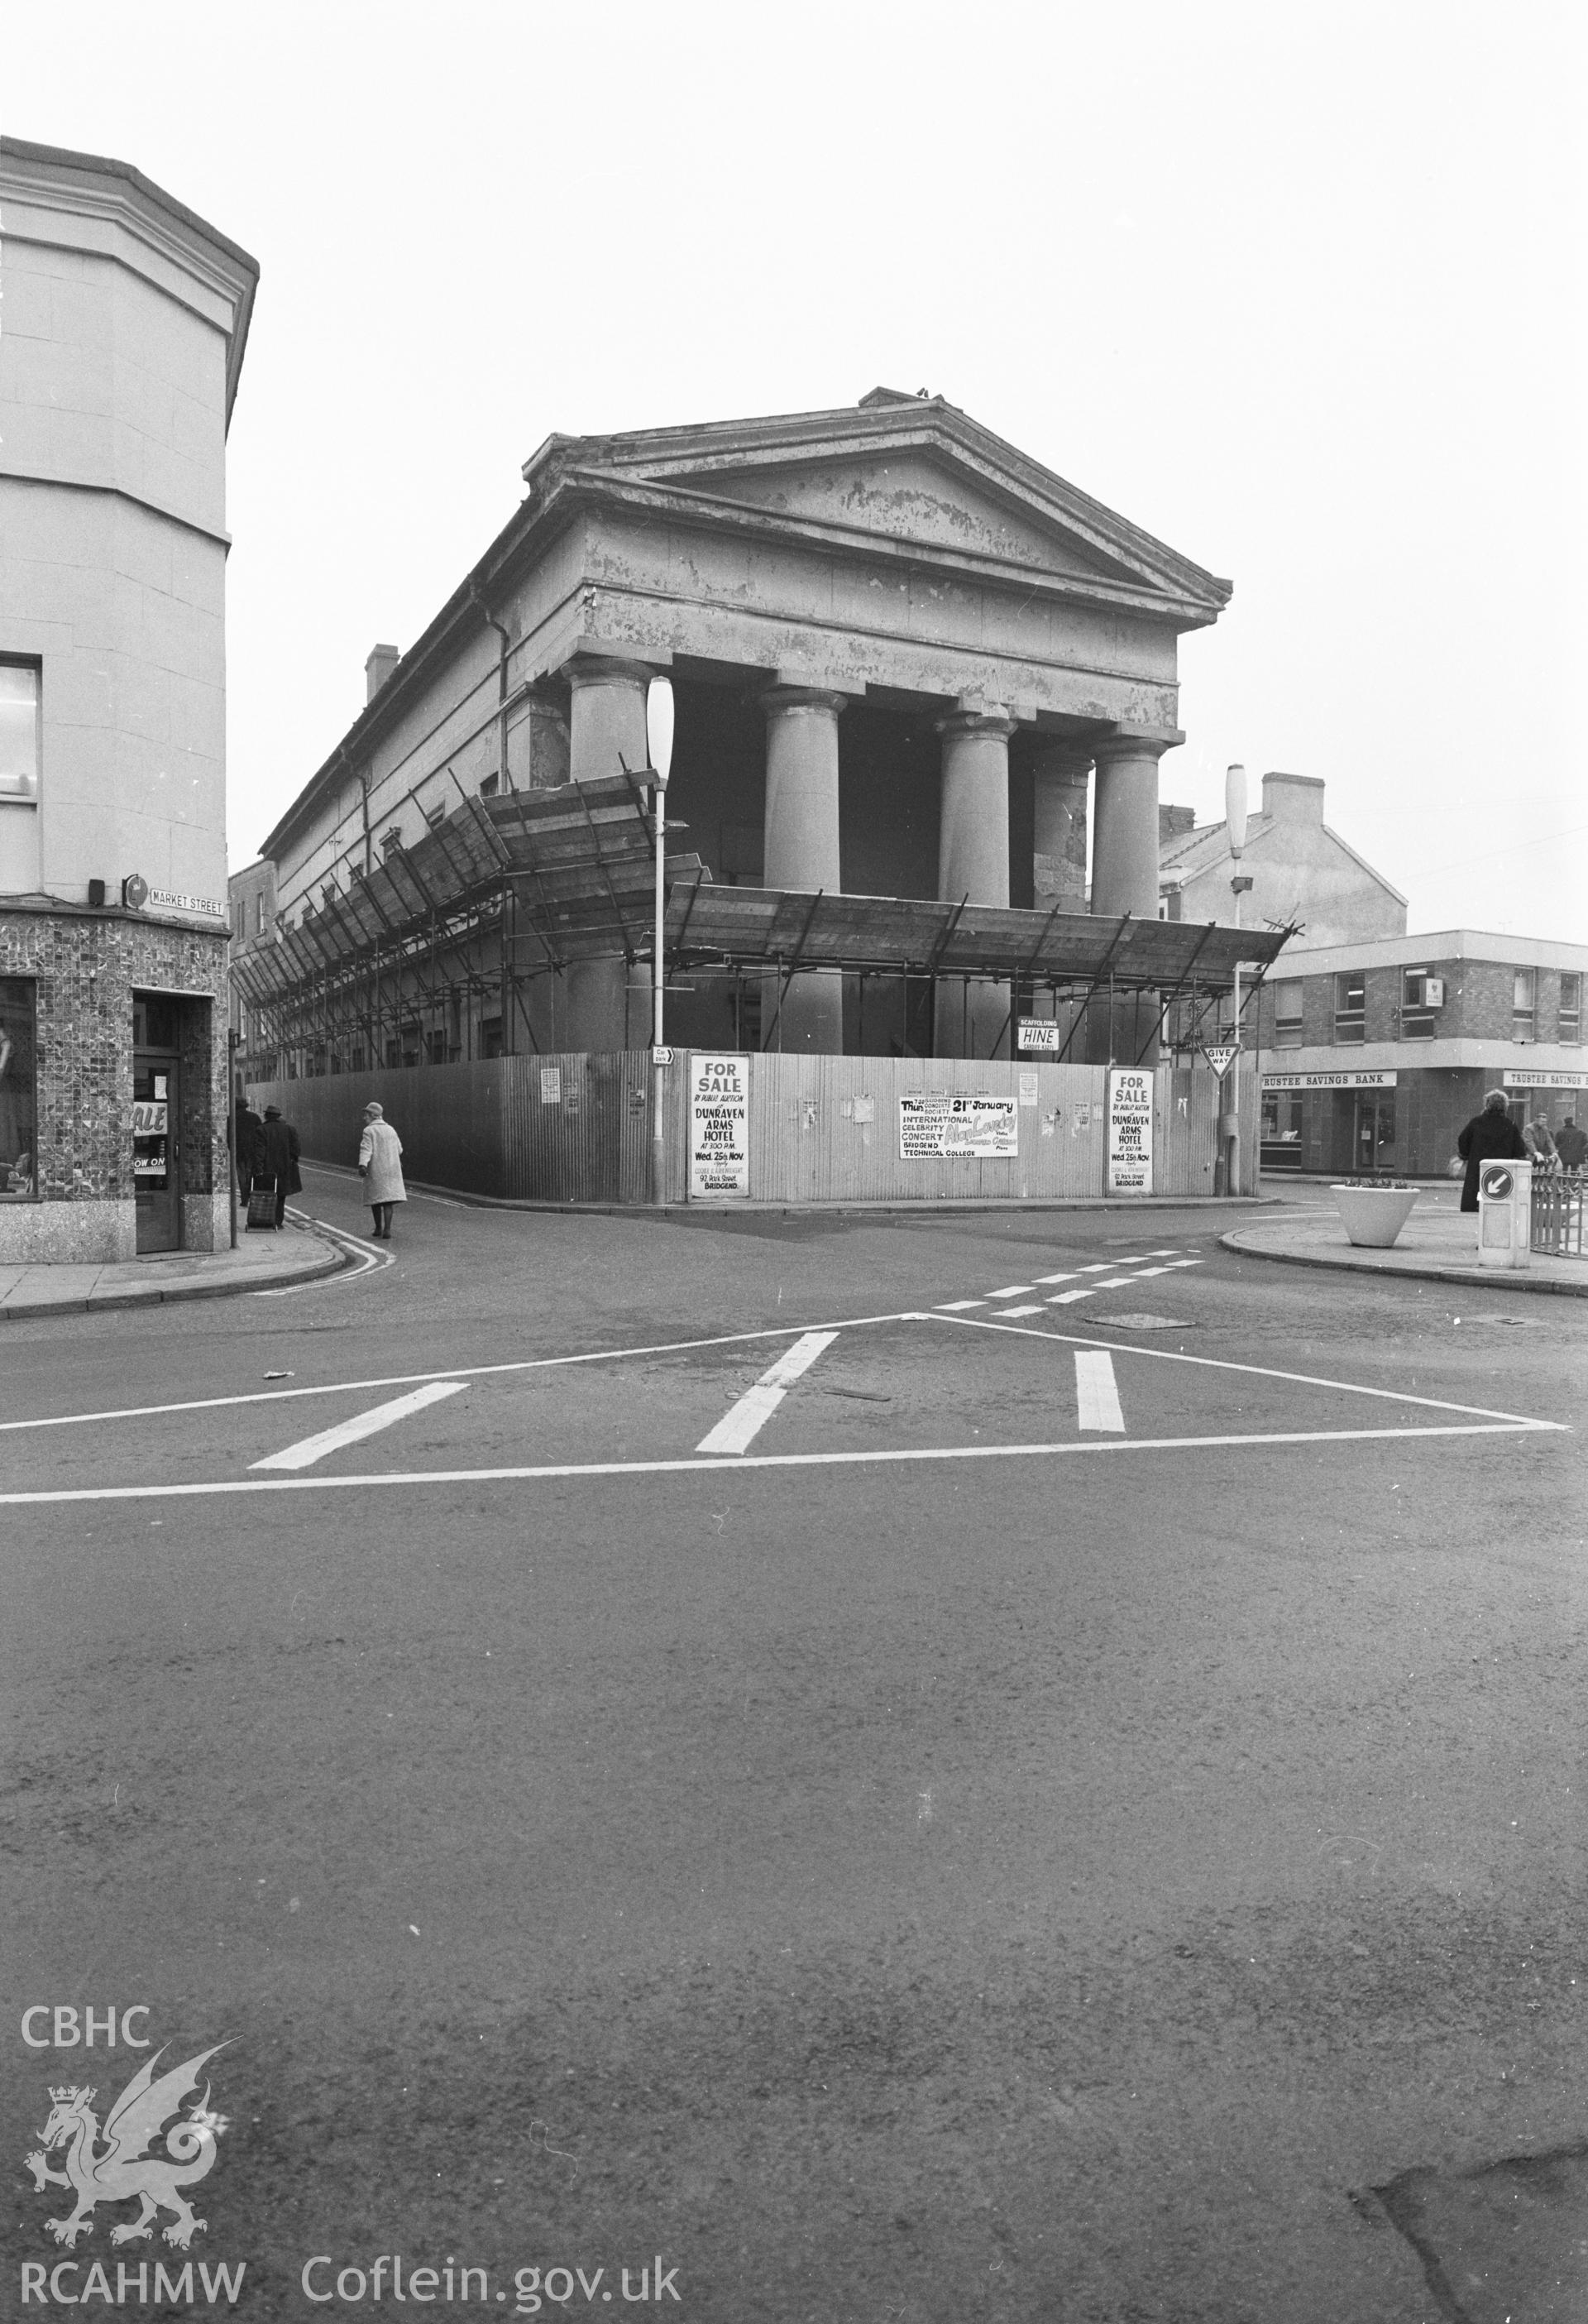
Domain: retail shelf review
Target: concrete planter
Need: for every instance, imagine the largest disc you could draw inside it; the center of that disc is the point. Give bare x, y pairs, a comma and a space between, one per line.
1373, 1216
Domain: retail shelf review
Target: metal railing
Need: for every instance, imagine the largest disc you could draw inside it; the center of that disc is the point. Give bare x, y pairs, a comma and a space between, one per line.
1559, 1197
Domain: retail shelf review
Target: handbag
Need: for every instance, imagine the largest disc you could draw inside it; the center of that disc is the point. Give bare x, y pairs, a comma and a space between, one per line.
1455, 1167
261, 1203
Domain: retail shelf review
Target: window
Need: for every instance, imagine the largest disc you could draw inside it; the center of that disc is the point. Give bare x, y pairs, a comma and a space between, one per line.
1417, 1013
1287, 1013
19, 731
19, 1177
1351, 1006
242, 919
490, 785
259, 913
1569, 1018
1521, 1005
391, 840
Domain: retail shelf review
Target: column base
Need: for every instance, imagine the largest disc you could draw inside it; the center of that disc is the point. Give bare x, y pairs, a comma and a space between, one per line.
972, 1019
811, 1020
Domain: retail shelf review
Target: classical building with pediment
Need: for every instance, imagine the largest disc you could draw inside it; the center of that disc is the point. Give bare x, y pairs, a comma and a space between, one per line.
906, 661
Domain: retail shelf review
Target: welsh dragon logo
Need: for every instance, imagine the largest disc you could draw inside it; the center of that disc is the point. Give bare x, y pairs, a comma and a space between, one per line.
124, 2171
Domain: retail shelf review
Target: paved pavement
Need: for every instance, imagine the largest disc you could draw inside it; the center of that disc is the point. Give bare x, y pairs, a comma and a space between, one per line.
1438, 1242
260, 1262
1004, 1767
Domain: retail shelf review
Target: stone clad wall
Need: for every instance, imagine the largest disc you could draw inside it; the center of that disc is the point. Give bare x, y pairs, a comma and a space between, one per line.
86, 967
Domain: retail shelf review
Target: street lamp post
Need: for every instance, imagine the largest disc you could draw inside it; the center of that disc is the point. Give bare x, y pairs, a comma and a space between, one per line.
1234, 816
658, 737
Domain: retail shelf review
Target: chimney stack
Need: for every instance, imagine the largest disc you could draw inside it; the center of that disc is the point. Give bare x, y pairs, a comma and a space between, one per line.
1293, 798
1174, 822
382, 660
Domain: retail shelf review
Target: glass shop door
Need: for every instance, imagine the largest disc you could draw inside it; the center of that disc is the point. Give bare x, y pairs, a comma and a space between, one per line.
157, 1176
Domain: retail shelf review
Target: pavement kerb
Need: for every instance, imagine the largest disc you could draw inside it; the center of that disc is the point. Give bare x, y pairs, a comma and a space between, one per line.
1248, 1246
922, 1206
338, 1257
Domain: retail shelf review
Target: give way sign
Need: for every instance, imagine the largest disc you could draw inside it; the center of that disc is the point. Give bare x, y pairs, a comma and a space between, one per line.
1221, 1057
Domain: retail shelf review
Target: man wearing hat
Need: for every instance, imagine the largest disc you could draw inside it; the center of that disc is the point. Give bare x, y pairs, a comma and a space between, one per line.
380, 1166
278, 1158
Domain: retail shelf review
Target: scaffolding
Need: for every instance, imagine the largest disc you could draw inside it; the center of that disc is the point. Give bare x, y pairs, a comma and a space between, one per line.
501, 893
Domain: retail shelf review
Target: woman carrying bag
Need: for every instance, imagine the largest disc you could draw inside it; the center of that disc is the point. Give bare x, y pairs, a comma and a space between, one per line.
380, 1166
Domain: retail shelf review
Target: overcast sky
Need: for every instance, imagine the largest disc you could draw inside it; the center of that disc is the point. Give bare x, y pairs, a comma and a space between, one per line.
1296, 288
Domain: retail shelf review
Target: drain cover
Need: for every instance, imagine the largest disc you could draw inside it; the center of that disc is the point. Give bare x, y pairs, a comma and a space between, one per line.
1146, 1323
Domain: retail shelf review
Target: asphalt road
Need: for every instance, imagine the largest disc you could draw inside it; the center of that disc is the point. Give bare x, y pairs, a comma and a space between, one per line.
1068, 1808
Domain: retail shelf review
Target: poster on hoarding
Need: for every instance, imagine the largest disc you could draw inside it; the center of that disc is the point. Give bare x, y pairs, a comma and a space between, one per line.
719, 1127
1130, 1133
976, 1127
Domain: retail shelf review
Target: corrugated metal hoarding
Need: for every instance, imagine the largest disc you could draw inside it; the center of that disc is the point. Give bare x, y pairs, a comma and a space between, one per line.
576, 1128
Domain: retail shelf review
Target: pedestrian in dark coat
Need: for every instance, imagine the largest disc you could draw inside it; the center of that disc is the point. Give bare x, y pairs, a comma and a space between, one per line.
1491, 1135
1571, 1145
250, 1131
278, 1158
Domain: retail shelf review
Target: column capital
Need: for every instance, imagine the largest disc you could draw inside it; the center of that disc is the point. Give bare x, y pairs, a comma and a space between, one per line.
994, 721
783, 698
1135, 742
607, 669
1059, 759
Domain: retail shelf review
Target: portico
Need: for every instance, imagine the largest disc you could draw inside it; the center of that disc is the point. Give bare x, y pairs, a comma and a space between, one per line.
908, 661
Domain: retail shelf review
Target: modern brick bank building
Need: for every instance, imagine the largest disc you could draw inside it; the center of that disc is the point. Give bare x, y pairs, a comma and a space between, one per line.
907, 664
122, 322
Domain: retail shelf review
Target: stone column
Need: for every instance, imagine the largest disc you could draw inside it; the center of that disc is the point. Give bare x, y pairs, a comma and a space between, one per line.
973, 859
1058, 851
1125, 876
802, 853
596, 1010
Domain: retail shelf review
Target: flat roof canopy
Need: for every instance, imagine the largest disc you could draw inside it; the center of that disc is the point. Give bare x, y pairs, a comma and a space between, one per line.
771, 928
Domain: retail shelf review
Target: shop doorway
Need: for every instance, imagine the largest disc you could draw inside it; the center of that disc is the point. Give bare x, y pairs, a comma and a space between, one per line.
157, 1125
1363, 1138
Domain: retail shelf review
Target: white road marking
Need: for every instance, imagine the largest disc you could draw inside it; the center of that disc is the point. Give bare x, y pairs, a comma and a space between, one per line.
458, 1372
1011, 1291
878, 1459
1005, 1313
744, 1420
310, 1448
1063, 1298
1097, 1267
952, 1306
1112, 1282
370, 1260
1067, 1276
1096, 1391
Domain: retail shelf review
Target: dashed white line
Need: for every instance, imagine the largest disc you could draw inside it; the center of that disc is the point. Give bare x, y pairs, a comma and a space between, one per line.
310, 1448
744, 1421
1084, 1291
1005, 1313
1012, 1291
952, 1306
1096, 1391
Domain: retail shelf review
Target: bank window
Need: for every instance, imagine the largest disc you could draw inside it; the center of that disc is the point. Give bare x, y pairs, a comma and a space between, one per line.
1521, 1005
18, 1149
1351, 1006
1417, 1011
1287, 1013
20, 741
1569, 1017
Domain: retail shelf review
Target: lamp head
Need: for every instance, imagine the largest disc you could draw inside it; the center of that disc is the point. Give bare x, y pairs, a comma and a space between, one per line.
1234, 809
658, 728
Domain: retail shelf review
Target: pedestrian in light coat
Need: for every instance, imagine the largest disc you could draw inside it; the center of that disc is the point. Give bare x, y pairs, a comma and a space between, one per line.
279, 1151
1491, 1135
380, 1166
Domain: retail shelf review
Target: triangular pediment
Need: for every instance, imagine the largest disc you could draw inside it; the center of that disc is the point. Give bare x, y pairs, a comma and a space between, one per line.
912, 474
